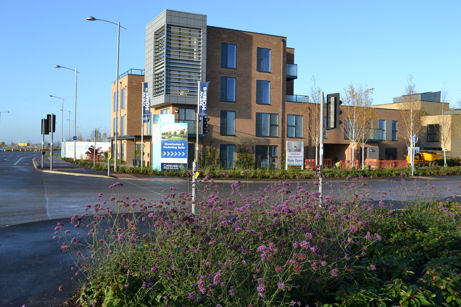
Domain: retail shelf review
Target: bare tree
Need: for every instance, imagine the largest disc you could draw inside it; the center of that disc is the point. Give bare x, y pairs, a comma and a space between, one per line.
314, 122
411, 118
446, 127
358, 117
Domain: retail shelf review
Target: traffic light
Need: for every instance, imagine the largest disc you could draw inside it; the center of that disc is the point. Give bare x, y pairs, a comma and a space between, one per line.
51, 118
333, 111
45, 127
205, 125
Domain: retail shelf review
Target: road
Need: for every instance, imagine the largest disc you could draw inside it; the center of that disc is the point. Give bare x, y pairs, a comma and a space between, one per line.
33, 201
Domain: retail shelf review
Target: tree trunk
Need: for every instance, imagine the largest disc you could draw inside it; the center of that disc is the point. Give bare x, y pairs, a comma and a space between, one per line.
445, 158
316, 155
363, 156
353, 155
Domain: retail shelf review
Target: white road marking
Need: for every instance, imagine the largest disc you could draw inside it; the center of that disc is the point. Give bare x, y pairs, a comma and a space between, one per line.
19, 160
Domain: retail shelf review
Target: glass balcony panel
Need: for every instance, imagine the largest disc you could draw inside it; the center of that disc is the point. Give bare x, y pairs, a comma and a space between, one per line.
292, 71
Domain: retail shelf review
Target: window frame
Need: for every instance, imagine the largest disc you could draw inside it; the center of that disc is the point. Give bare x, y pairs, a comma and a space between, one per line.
223, 153
261, 86
224, 89
295, 126
271, 124
224, 123
225, 56
123, 98
260, 57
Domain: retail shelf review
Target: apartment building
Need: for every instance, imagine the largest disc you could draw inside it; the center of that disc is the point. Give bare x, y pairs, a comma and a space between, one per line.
252, 105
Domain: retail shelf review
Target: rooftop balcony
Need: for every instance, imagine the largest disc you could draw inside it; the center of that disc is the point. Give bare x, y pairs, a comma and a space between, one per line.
297, 98
292, 71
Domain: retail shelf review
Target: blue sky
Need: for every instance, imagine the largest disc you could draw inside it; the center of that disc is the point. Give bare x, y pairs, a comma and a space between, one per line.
375, 44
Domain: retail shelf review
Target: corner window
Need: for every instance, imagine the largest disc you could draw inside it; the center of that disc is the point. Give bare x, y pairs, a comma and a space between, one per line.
267, 124
295, 126
123, 98
227, 123
187, 116
227, 156
264, 60
263, 92
228, 55
228, 89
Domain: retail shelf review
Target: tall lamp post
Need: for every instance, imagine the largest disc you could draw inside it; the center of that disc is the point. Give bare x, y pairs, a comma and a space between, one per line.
91, 18
75, 109
62, 116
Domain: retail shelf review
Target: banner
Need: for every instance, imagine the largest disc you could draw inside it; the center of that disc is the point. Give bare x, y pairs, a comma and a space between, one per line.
145, 102
202, 98
173, 146
295, 153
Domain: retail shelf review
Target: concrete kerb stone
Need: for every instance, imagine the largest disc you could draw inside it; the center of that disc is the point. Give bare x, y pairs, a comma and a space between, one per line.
68, 173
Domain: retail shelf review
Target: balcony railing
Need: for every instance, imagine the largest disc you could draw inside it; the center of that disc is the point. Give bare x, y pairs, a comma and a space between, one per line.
297, 98
132, 71
292, 71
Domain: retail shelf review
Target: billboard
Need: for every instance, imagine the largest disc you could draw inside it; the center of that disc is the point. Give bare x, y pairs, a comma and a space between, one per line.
295, 153
173, 146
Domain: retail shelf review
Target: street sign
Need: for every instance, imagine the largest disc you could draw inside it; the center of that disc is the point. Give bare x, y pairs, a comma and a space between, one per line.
173, 148
202, 98
74, 138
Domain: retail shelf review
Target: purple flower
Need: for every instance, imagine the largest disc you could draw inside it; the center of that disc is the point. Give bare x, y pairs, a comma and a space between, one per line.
304, 244
280, 285
368, 236
378, 237
371, 267
191, 295
308, 235
261, 289
334, 272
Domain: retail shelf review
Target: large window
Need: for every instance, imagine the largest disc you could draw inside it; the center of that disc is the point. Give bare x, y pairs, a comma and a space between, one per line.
395, 129
123, 98
228, 89
267, 124
295, 126
187, 116
227, 155
433, 133
263, 92
264, 60
165, 111
227, 123
122, 128
266, 156
228, 55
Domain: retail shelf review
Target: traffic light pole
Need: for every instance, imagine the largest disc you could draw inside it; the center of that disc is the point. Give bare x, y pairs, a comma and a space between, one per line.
321, 149
43, 142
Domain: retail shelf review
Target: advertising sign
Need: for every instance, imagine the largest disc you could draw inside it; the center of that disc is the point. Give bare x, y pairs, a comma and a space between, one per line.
173, 146
295, 153
202, 98
145, 102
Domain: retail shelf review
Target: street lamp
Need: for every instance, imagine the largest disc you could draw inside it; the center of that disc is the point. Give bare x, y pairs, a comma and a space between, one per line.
75, 109
62, 116
91, 18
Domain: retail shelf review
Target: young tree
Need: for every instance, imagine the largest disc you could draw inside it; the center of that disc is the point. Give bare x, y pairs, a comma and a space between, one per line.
446, 127
314, 119
411, 118
358, 118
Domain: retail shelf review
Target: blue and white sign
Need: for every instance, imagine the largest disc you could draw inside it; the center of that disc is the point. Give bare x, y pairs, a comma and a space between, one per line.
202, 98
174, 143
74, 138
145, 102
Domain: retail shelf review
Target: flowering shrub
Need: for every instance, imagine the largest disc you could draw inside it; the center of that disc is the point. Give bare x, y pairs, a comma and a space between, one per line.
275, 247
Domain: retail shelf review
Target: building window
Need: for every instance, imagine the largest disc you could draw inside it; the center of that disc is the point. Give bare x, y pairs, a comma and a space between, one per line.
123, 98
433, 133
228, 89
263, 92
122, 128
266, 156
165, 111
267, 124
227, 123
395, 129
187, 116
227, 156
295, 126
122, 152
115, 103
390, 153
264, 60
228, 55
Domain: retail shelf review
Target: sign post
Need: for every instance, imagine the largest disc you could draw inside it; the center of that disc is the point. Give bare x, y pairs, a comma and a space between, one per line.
45, 130
320, 166
145, 116
201, 113
51, 119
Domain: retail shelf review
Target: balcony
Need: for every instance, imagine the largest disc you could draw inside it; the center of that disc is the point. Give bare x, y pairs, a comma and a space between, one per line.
297, 98
292, 71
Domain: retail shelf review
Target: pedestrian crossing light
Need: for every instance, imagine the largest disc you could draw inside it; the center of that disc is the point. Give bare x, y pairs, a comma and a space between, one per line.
333, 111
205, 125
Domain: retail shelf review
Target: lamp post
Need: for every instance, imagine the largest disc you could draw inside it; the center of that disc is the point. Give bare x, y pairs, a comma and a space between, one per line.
62, 116
91, 18
75, 109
